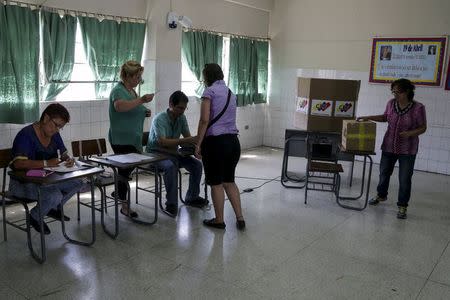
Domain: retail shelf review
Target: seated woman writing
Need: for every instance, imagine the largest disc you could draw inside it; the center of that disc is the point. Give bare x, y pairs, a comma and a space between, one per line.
37, 146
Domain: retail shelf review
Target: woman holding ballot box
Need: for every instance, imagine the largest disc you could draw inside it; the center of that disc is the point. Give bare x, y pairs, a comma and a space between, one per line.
406, 120
38, 146
126, 117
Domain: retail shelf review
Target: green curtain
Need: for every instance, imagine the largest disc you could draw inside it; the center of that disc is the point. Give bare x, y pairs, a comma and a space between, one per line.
108, 45
59, 49
262, 54
198, 49
19, 71
248, 70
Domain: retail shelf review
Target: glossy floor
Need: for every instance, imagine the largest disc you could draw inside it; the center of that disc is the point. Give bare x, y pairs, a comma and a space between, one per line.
288, 251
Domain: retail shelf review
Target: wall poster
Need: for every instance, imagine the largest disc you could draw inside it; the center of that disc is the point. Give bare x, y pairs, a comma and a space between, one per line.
447, 82
420, 60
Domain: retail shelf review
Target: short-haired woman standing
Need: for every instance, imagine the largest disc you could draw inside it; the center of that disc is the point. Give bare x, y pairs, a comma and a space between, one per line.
218, 145
406, 121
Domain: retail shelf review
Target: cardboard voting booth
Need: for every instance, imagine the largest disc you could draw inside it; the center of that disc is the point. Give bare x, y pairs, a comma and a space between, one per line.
358, 136
322, 104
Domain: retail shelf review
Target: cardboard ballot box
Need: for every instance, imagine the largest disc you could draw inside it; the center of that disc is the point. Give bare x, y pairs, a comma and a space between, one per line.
322, 104
358, 136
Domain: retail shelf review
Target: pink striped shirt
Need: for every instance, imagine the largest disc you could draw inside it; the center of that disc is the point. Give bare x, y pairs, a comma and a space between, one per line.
410, 118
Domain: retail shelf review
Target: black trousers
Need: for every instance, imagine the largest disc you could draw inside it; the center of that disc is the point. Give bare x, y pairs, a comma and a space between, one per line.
124, 173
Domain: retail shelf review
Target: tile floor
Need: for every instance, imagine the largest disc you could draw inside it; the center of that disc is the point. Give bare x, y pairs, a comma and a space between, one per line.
289, 250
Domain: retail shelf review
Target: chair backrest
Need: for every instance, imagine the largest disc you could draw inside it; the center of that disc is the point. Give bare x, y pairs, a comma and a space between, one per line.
145, 138
5, 159
86, 148
322, 148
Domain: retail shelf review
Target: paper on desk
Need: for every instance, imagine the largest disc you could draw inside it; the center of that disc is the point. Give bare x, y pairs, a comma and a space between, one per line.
129, 158
61, 168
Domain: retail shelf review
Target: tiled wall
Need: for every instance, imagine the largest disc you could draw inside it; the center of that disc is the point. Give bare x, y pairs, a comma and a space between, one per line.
264, 124
434, 149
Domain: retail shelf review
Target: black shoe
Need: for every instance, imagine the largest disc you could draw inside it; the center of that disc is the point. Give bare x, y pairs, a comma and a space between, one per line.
240, 224
35, 225
376, 200
171, 210
198, 202
132, 214
56, 214
212, 223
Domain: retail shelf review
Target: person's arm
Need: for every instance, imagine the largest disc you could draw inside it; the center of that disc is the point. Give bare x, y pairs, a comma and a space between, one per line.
376, 118
173, 143
26, 164
121, 105
202, 124
415, 132
421, 121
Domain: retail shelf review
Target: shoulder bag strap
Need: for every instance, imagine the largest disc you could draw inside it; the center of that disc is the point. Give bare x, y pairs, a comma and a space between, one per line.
221, 113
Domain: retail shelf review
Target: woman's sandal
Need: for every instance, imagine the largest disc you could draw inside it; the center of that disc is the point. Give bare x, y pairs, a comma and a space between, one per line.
212, 223
240, 224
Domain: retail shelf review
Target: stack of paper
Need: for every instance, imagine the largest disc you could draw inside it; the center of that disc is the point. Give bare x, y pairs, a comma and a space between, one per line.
129, 158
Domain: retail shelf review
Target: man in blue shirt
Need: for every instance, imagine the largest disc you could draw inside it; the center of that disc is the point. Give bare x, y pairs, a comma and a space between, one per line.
165, 136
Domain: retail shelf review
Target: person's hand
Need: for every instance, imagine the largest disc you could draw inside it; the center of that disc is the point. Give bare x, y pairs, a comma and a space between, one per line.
198, 152
192, 140
69, 162
147, 98
54, 162
404, 134
148, 113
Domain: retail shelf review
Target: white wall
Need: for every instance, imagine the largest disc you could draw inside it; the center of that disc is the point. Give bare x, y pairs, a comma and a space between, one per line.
217, 15
332, 39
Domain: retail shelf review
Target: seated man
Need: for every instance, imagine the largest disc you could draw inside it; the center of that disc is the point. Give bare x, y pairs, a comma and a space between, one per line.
165, 132
37, 146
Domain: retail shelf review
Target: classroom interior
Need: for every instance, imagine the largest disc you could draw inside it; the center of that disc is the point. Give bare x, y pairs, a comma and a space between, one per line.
289, 250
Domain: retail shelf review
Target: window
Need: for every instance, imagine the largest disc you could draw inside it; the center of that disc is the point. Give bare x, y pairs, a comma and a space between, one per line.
188, 81
81, 72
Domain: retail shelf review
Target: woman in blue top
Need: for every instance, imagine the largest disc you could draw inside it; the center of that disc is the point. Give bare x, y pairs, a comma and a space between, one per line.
37, 146
218, 145
126, 117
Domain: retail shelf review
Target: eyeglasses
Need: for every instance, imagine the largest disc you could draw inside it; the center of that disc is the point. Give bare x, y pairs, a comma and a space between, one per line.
394, 92
58, 126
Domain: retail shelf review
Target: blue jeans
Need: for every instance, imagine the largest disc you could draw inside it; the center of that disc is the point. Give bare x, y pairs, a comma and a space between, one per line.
170, 169
405, 172
52, 195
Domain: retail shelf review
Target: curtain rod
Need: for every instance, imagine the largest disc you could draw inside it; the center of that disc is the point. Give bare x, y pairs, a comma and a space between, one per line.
75, 12
228, 33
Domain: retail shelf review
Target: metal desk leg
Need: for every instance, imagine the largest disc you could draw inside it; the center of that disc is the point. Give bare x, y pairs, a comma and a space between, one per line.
339, 198
40, 259
116, 206
91, 179
157, 199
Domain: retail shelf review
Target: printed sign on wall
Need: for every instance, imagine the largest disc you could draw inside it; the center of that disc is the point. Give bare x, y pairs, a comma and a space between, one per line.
321, 107
344, 109
447, 82
417, 59
302, 105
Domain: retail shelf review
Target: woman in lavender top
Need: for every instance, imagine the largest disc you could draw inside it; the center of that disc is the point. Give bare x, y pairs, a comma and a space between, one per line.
218, 145
406, 121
